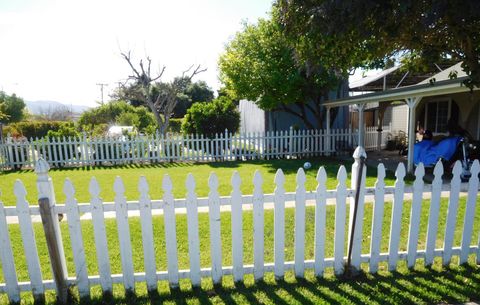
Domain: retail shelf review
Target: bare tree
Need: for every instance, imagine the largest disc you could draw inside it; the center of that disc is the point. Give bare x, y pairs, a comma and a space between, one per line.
56, 113
164, 101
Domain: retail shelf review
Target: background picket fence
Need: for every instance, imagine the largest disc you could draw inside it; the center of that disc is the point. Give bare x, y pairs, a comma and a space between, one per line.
60, 152
237, 201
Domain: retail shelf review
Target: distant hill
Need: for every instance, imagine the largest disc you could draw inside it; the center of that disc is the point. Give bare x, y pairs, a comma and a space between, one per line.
39, 107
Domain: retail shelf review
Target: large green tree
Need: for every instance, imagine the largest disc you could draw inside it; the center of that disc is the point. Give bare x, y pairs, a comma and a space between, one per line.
369, 33
12, 108
260, 65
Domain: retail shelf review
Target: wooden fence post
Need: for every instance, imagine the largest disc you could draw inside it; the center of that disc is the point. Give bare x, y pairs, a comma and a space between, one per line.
46, 201
290, 143
356, 212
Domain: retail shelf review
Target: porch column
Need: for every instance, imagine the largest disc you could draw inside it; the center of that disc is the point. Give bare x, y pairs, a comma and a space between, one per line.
412, 103
361, 125
328, 144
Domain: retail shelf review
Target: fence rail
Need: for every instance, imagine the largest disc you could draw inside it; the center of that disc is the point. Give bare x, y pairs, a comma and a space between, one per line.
60, 152
237, 201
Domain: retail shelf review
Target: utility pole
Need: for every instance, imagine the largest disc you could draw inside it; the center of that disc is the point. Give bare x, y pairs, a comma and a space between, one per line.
101, 89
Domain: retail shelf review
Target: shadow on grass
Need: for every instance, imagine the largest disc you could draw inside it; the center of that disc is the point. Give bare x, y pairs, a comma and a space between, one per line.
419, 286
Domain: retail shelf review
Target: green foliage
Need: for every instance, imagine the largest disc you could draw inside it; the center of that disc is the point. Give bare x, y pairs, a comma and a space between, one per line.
175, 125
213, 117
260, 65
369, 33
127, 119
12, 108
67, 130
32, 129
118, 112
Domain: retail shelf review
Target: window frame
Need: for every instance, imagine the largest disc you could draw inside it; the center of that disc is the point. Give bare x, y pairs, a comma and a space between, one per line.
437, 101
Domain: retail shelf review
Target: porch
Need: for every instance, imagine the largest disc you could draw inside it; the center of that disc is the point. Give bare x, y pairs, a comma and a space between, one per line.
430, 104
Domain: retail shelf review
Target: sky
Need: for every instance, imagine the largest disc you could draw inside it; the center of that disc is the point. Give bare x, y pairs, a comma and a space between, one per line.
60, 50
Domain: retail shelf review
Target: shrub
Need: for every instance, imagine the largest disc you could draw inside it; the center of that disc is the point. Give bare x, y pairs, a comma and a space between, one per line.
117, 112
212, 117
67, 130
175, 125
32, 129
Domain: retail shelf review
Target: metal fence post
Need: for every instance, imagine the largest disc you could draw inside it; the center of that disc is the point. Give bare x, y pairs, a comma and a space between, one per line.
46, 201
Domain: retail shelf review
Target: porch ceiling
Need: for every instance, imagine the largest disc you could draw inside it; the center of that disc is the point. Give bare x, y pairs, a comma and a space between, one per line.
420, 90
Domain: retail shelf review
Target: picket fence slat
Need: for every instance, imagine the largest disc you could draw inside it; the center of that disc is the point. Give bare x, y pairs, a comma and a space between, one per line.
452, 213
432, 227
170, 231
415, 213
279, 224
396, 220
470, 212
237, 228
76, 239
147, 234
215, 237
258, 227
100, 236
340, 210
121, 216
28, 239
320, 221
6, 255
193, 236
300, 223
377, 221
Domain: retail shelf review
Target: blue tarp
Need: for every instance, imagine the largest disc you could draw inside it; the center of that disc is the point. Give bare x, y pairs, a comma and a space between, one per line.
428, 152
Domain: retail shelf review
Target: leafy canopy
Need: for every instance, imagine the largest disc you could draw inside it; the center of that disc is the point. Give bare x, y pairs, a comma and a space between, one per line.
371, 33
12, 108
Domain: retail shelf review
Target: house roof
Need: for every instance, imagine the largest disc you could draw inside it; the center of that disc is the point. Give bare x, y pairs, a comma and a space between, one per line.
441, 87
445, 74
395, 77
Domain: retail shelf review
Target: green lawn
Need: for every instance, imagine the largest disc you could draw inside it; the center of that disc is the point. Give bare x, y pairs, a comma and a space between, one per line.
178, 172
421, 285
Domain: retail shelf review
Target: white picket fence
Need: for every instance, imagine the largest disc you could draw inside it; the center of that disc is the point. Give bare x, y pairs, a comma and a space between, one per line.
237, 202
60, 152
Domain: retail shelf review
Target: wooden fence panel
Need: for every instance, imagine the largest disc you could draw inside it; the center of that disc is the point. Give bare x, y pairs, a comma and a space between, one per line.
340, 210
452, 213
377, 221
170, 231
215, 236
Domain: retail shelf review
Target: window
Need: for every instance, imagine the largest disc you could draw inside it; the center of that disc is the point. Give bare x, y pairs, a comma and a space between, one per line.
438, 113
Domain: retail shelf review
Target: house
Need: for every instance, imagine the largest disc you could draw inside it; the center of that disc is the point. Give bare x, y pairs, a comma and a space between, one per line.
254, 119
429, 103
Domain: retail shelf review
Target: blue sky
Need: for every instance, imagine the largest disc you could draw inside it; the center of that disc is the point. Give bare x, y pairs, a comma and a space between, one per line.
59, 50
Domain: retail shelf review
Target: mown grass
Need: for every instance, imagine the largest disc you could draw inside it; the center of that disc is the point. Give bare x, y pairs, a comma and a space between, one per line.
421, 285
178, 173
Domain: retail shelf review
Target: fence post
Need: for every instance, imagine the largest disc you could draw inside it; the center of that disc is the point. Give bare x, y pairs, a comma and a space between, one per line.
356, 212
46, 201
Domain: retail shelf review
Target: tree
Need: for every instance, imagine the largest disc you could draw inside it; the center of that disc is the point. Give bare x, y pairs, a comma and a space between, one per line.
260, 65
12, 108
369, 33
58, 113
161, 102
212, 118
